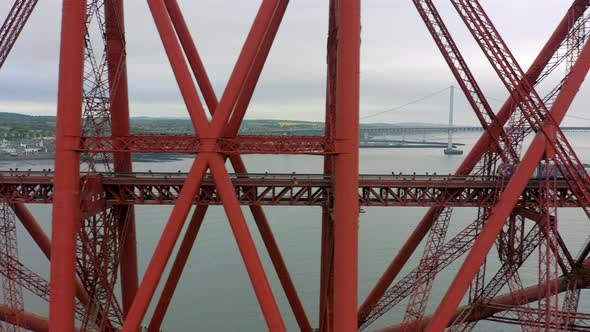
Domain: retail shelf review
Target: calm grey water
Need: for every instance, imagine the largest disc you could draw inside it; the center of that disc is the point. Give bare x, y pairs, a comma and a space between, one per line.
214, 293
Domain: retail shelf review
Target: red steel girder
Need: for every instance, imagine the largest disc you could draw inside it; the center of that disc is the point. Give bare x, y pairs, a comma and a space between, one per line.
480, 148
42, 240
326, 296
215, 142
509, 197
508, 150
531, 105
66, 215
507, 316
237, 163
177, 268
455, 61
311, 145
26, 319
283, 189
451, 251
121, 127
506, 301
34, 283
98, 241
346, 165
209, 132
467, 82
11, 289
13, 25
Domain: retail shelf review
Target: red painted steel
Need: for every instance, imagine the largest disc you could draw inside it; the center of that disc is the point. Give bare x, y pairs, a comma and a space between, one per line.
487, 166
238, 165
189, 144
502, 302
177, 268
286, 189
247, 249
120, 126
508, 199
13, 25
346, 165
102, 202
536, 70
26, 319
98, 243
166, 244
44, 244
66, 215
209, 132
11, 289
326, 296
466, 81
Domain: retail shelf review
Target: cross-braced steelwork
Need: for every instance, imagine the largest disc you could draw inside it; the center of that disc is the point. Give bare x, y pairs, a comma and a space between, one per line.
13, 25
11, 289
94, 283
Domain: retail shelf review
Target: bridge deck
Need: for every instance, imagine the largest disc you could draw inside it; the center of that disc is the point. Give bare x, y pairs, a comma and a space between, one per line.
276, 189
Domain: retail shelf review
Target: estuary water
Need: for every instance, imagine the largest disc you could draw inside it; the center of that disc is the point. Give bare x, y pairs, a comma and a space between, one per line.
215, 294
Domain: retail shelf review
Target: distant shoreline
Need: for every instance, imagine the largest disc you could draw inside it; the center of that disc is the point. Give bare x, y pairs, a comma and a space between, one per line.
136, 157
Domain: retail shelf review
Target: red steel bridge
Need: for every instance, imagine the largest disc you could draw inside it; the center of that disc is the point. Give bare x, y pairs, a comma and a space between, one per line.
94, 283
112, 189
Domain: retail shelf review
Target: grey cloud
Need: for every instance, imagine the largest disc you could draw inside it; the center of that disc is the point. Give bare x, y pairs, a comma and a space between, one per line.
399, 59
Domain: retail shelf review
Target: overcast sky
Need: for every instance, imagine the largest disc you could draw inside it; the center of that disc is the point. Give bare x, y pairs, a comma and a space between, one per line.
400, 62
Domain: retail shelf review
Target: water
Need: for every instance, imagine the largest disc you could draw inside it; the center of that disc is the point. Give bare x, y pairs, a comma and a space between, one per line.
215, 294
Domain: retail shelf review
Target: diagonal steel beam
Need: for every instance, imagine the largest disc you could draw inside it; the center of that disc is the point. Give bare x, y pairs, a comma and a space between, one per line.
166, 244
244, 64
192, 54
508, 199
575, 11
246, 246
466, 79
251, 80
24, 319
211, 100
209, 133
13, 26
66, 214
177, 268
503, 302
179, 66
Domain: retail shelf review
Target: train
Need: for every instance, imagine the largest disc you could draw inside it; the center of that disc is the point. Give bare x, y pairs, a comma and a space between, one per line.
543, 171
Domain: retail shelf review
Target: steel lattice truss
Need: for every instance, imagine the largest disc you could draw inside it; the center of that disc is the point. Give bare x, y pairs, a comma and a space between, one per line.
94, 282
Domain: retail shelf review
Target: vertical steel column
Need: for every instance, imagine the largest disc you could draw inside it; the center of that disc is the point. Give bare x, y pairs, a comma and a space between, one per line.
346, 140
66, 203
327, 244
117, 62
